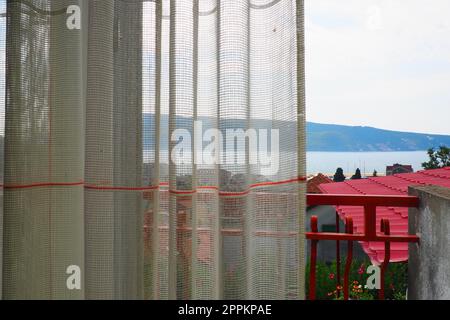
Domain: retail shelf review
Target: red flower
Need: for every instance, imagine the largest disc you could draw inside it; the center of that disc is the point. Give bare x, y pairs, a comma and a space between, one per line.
361, 269
331, 276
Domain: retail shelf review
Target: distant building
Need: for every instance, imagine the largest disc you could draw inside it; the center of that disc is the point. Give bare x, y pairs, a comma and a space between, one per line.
398, 168
314, 182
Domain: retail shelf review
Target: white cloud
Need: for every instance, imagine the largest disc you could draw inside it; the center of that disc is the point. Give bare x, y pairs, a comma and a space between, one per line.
382, 63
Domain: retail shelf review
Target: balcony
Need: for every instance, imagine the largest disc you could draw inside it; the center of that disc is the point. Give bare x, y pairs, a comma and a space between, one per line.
370, 232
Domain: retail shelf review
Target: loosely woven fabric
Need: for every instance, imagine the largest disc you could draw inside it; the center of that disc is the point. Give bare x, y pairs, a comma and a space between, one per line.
88, 124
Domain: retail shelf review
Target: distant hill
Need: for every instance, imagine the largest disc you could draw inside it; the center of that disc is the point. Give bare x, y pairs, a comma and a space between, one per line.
330, 137
320, 137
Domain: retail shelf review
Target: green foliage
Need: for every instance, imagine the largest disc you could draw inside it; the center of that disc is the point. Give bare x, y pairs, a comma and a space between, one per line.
357, 175
396, 280
438, 158
375, 173
339, 175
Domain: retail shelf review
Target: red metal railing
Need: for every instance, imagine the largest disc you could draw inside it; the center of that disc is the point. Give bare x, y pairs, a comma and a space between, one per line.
370, 204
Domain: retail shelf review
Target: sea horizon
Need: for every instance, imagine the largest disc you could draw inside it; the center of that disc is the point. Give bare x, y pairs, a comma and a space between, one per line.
327, 162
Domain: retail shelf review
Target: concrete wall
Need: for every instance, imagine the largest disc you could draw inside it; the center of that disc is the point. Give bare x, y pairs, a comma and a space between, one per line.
429, 261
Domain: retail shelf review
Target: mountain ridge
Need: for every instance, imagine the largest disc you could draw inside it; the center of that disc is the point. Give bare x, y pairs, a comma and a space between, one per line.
333, 137
320, 137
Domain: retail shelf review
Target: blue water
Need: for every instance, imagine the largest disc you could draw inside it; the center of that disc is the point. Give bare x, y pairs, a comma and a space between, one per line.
327, 162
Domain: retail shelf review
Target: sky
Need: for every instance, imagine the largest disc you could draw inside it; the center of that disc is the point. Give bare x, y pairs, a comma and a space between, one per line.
379, 63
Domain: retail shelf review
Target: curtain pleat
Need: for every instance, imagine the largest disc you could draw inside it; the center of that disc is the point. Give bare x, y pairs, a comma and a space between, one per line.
94, 173
99, 204
44, 162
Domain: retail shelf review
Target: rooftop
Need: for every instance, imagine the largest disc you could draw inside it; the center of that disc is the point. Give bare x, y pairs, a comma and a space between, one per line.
314, 182
391, 185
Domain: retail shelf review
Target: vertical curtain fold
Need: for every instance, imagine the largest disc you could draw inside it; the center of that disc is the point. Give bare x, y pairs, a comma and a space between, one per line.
301, 140
44, 165
99, 162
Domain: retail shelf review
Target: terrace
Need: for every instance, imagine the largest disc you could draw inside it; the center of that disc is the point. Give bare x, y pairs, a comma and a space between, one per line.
375, 212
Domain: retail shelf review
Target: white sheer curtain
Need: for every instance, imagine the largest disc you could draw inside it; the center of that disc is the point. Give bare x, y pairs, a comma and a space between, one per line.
160, 148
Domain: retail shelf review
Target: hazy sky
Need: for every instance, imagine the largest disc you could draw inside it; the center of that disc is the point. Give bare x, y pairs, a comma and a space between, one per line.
381, 63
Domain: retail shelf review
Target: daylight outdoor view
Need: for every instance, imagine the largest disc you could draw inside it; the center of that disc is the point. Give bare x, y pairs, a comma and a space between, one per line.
224, 150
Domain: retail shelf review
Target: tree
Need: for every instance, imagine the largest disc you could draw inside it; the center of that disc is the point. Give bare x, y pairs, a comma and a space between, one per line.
357, 175
375, 173
339, 175
438, 158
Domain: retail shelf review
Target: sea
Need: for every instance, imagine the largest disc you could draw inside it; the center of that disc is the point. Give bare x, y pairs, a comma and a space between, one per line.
328, 162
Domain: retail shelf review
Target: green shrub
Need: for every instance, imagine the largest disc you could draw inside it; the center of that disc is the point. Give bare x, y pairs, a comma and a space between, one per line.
396, 280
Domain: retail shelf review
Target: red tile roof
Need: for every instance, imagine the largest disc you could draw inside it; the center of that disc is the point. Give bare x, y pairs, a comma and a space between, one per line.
313, 183
391, 185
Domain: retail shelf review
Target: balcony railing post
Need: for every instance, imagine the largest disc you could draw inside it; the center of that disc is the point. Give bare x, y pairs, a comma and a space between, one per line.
370, 221
338, 258
313, 261
348, 263
385, 228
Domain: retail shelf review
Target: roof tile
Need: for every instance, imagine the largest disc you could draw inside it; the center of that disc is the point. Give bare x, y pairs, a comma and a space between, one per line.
390, 185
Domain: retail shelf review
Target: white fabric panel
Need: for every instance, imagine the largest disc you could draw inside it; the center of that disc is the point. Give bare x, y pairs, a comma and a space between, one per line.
89, 178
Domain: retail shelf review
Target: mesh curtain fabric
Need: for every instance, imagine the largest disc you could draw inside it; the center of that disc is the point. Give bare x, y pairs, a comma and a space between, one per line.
89, 174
